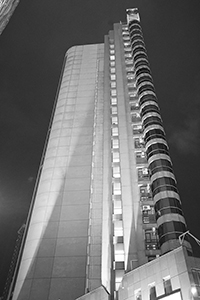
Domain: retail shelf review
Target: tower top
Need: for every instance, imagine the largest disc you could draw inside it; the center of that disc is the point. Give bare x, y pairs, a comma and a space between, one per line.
132, 14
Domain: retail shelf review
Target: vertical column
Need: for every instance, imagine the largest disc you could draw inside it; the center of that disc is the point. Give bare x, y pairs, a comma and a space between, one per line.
170, 220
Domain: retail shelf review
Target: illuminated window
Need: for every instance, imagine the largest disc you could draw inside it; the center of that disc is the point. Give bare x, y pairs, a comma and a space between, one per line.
113, 100
117, 207
113, 85
138, 295
137, 129
118, 231
196, 278
114, 92
115, 156
116, 172
112, 57
151, 239
112, 63
114, 120
117, 188
113, 77
112, 51
115, 131
112, 70
114, 110
115, 143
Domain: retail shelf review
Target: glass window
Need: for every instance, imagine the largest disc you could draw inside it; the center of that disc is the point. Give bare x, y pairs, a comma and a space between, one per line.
114, 120
137, 129
114, 110
112, 57
112, 51
167, 285
112, 63
116, 188
118, 231
113, 92
138, 294
115, 131
151, 239
112, 46
113, 85
196, 279
113, 100
112, 70
116, 172
115, 143
139, 142
113, 77
152, 291
117, 207
115, 157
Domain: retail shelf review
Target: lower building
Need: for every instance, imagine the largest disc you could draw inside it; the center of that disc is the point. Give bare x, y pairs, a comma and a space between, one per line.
106, 218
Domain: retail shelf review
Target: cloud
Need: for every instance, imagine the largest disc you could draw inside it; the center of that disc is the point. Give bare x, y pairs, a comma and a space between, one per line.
186, 139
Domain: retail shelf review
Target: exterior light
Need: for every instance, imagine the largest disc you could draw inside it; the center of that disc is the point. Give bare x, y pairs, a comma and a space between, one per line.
194, 291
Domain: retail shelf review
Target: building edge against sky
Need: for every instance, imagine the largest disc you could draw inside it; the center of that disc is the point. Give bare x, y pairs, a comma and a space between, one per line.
7, 8
107, 209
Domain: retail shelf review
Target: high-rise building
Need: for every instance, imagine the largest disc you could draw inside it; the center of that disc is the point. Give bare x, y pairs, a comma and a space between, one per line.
106, 220
7, 8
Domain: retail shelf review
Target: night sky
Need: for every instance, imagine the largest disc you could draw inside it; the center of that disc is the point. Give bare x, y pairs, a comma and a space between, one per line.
32, 49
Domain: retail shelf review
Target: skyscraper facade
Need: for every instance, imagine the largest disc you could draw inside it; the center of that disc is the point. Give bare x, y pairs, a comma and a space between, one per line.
107, 206
7, 8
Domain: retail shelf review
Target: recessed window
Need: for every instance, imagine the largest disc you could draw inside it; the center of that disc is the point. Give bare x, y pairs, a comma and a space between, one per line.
143, 173
151, 239
112, 46
116, 172
115, 143
167, 285
137, 129
114, 100
138, 294
112, 63
117, 188
117, 207
114, 92
115, 131
196, 279
139, 143
112, 57
113, 77
114, 119
115, 156
118, 231
112, 70
152, 291
113, 85
112, 51
114, 110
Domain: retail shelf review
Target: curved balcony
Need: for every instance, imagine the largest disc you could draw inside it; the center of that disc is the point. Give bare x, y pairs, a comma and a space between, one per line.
154, 133
145, 86
152, 120
142, 69
163, 184
140, 78
140, 54
149, 108
167, 206
138, 42
141, 62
